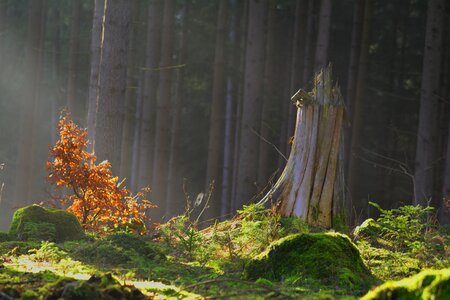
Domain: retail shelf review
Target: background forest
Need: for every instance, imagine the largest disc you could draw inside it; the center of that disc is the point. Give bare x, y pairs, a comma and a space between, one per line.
193, 97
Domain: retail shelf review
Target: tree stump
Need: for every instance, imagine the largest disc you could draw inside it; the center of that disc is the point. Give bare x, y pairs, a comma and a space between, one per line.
306, 187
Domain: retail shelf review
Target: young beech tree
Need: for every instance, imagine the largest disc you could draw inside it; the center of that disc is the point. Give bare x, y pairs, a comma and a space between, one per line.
98, 199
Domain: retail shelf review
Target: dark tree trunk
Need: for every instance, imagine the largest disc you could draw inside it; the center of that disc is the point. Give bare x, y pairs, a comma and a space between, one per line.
74, 48
164, 109
113, 80
429, 99
253, 95
216, 119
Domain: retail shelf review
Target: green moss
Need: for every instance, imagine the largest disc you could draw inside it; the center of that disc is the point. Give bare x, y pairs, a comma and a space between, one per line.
16, 248
35, 222
4, 237
427, 285
137, 243
329, 258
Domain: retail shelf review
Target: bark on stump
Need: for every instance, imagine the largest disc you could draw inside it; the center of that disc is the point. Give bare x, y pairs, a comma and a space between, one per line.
305, 188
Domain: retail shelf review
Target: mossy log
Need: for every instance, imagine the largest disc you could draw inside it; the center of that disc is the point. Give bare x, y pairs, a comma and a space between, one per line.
306, 186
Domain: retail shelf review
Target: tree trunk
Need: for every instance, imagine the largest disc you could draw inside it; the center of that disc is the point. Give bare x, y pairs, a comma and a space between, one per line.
268, 96
74, 47
216, 119
323, 35
231, 103
355, 49
151, 79
298, 61
444, 212
253, 92
306, 186
113, 72
163, 109
175, 201
96, 49
353, 206
3, 11
239, 105
429, 99
130, 93
28, 105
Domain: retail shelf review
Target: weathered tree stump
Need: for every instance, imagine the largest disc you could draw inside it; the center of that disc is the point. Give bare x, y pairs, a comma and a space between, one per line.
305, 188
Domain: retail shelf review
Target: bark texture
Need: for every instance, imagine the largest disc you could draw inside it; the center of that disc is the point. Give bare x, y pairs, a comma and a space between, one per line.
323, 35
163, 109
96, 49
113, 76
73, 58
216, 118
151, 79
306, 187
251, 109
429, 100
28, 105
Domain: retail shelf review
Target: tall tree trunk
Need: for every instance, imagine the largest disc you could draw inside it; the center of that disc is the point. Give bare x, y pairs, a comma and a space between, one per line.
253, 92
163, 109
323, 38
354, 205
352, 78
74, 46
113, 72
298, 61
137, 136
217, 106
95, 58
151, 79
28, 99
268, 96
130, 93
175, 202
305, 188
231, 97
429, 98
444, 212
239, 104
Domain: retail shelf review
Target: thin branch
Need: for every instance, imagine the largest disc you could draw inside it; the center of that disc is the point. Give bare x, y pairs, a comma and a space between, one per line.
265, 140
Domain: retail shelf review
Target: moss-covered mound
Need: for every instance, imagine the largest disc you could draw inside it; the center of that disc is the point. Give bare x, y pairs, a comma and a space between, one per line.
36, 223
427, 285
98, 287
330, 258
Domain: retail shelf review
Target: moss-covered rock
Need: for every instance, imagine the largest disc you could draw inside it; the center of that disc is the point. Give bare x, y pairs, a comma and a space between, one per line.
427, 285
104, 287
38, 223
330, 258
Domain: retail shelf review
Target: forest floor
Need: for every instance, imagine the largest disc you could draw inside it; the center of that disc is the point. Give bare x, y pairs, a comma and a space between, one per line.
183, 262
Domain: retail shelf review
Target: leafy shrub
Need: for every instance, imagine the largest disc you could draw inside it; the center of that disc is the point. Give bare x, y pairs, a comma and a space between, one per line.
406, 225
47, 252
98, 200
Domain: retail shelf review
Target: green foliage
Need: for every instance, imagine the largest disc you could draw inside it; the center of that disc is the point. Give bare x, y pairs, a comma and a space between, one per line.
406, 225
47, 252
329, 258
34, 222
427, 285
401, 242
182, 234
16, 248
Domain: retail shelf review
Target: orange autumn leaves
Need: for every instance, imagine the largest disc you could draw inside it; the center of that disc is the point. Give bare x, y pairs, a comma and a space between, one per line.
96, 197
